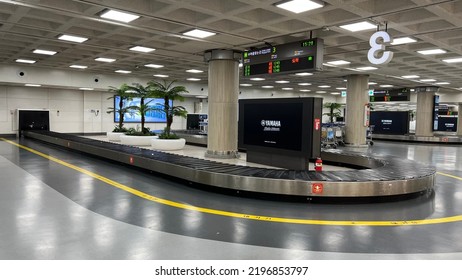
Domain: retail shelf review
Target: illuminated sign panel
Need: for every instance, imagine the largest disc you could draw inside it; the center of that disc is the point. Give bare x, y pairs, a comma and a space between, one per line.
293, 57
402, 94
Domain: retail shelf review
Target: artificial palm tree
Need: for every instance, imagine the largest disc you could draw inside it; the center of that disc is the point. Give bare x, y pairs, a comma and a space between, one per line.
166, 91
334, 110
143, 93
121, 109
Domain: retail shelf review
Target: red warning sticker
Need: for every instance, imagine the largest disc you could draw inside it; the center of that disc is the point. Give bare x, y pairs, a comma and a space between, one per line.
317, 188
132, 160
317, 124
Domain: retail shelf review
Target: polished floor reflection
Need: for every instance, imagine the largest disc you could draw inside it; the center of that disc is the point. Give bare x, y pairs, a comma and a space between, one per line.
51, 211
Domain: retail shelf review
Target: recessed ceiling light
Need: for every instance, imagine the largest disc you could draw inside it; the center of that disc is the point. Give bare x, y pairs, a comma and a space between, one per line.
410, 77
245, 85
372, 83
442, 83
119, 16
71, 38
335, 93
338, 62
32, 85
321, 91
123, 71
29, 61
267, 86
193, 79
287, 88
282, 82
453, 60
403, 40
154, 65
305, 90
86, 88
299, 6
79, 66
105, 59
194, 71
304, 74
366, 68
161, 76
45, 52
324, 86
386, 86
428, 80
341, 88
433, 51
257, 79
304, 84
359, 26
141, 49
197, 33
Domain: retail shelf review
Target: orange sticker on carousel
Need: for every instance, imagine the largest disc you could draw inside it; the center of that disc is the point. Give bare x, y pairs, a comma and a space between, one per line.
317, 188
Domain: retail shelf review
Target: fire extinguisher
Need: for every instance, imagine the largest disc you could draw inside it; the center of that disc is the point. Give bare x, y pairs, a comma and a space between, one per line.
318, 165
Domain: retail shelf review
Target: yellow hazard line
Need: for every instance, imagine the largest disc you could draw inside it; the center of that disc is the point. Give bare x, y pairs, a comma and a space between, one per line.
179, 205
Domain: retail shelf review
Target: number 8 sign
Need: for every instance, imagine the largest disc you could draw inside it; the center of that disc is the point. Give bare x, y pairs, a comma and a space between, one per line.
377, 43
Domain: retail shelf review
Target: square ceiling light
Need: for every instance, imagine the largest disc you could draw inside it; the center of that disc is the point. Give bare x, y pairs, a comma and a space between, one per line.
142, 49
366, 68
154, 65
28, 61
338, 62
45, 52
78, 66
304, 74
72, 38
118, 16
105, 59
433, 51
403, 40
197, 33
453, 60
194, 71
299, 6
410, 77
359, 26
161, 75
123, 71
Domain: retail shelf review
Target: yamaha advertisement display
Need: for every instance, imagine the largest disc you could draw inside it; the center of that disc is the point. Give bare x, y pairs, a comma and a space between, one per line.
387, 122
281, 132
447, 123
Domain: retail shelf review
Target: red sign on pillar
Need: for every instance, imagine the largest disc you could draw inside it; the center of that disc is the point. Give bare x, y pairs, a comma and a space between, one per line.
317, 188
317, 124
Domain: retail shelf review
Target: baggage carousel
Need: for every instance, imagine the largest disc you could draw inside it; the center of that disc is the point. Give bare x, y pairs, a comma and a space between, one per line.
375, 177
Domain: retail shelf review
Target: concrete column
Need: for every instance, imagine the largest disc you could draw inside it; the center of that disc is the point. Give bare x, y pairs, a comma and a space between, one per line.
459, 120
357, 98
424, 111
223, 103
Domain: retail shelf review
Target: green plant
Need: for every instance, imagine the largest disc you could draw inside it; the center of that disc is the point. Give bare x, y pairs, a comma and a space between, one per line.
168, 92
334, 110
165, 135
142, 92
121, 109
134, 132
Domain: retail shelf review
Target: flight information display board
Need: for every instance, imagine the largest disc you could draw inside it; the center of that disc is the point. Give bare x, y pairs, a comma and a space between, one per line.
293, 57
402, 94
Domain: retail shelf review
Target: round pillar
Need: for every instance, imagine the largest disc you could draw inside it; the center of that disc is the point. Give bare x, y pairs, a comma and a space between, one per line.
357, 99
424, 111
223, 103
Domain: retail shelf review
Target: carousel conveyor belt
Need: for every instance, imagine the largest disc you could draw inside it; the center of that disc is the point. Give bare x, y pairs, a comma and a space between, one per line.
378, 177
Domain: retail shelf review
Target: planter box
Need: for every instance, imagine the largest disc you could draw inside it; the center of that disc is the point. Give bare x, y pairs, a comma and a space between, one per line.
114, 136
136, 140
168, 144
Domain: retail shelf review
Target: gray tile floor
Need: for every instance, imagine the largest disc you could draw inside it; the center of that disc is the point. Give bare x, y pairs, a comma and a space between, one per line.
49, 211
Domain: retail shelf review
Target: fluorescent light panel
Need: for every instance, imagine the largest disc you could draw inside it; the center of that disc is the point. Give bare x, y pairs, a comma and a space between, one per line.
453, 60
141, 49
79, 66
386, 86
282, 82
45, 52
335, 93
32, 85
86, 88
442, 83
194, 71
197, 33
428, 80
324, 86
410, 77
304, 74
305, 90
193, 79
299, 6
403, 40
338, 62
433, 51
105, 59
71, 38
267, 86
359, 26
123, 71
119, 16
245, 85
161, 76
154, 65
287, 88
257, 79
28, 61
366, 68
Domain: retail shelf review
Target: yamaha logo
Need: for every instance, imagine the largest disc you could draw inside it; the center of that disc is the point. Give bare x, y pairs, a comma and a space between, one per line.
262, 122
271, 125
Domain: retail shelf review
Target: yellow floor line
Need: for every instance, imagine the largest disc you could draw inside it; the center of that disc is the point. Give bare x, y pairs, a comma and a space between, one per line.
146, 196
